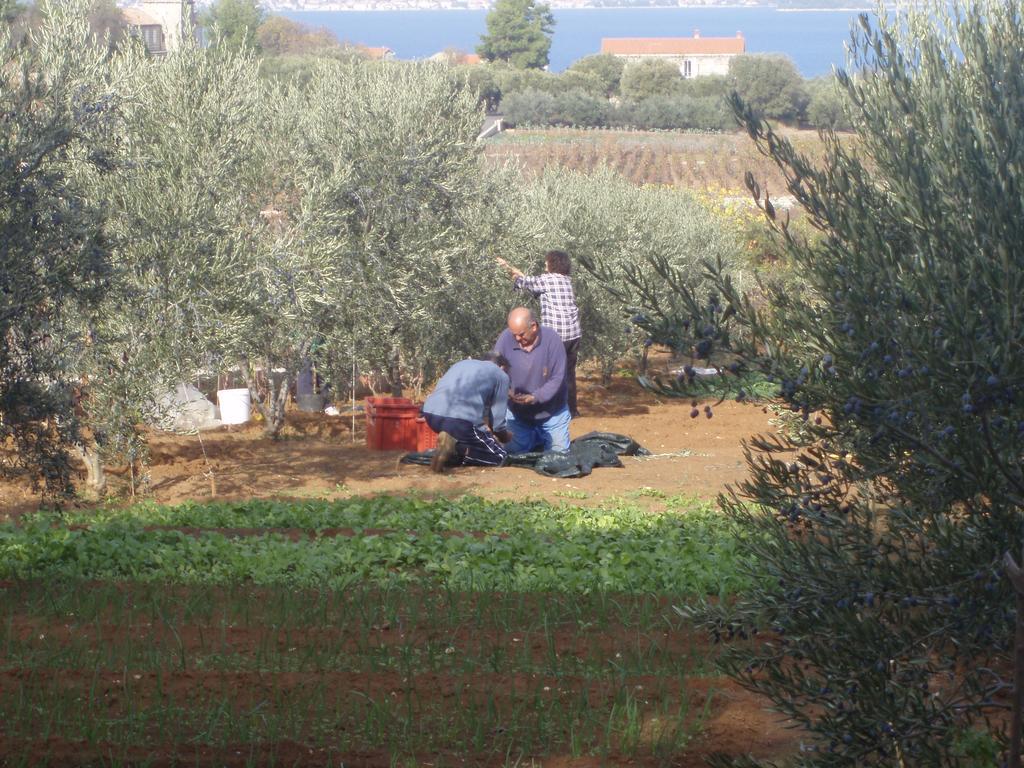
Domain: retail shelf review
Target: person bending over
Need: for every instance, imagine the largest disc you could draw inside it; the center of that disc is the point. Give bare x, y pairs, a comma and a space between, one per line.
470, 395
538, 415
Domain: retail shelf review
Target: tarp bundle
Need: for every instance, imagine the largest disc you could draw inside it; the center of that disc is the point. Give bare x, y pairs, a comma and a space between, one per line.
183, 409
594, 449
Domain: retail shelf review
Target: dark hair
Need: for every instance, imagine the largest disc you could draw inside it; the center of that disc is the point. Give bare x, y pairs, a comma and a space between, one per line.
499, 360
558, 261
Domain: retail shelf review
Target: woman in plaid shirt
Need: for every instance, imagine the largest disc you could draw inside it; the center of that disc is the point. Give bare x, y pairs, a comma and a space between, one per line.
558, 309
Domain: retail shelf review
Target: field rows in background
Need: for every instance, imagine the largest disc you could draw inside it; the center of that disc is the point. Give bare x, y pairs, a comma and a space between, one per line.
714, 163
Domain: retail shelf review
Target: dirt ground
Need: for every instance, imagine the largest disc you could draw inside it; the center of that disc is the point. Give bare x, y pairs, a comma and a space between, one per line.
734, 722
320, 456
731, 720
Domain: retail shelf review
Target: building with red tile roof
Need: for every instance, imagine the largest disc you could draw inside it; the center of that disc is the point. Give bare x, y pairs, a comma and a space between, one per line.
695, 56
378, 53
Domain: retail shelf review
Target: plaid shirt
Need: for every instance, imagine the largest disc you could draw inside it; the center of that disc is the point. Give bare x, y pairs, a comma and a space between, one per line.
558, 308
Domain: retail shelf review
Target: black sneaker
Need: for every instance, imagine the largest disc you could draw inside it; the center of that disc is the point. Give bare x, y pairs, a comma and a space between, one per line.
446, 445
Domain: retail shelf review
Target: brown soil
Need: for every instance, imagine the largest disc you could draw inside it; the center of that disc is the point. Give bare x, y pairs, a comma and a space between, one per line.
319, 456
296, 669
731, 720
591, 645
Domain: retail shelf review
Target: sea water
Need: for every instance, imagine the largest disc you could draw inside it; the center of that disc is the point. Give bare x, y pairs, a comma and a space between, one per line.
813, 39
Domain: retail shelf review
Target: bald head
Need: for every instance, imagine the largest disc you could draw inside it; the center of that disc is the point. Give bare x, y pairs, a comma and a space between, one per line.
522, 324
520, 319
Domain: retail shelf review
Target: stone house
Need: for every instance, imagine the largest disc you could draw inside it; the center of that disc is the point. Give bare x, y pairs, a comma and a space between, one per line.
695, 56
161, 24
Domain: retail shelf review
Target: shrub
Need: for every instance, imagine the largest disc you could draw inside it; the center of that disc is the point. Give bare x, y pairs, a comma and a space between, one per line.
827, 106
528, 108
606, 68
54, 255
649, 79
887, 626
770, 85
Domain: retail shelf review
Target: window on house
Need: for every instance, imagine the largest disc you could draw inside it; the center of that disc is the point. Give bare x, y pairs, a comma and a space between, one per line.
153, 37
687, 68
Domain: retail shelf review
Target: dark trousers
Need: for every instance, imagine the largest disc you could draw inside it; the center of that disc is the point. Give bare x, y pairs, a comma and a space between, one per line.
476, 445
572, 353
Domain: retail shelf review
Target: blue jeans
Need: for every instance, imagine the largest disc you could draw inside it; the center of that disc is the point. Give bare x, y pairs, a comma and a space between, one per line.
550, 435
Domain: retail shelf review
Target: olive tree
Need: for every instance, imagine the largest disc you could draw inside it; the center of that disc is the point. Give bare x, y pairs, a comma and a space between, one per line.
54, 255
649, 79
770, 85
184, 218
883, 620
603, 66
825, 108
618, 232
391, 184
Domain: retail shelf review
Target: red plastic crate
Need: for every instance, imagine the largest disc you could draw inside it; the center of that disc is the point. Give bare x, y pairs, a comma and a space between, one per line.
426, 438
391, 424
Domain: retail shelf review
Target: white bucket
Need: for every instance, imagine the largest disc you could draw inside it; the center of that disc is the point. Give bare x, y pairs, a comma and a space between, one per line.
234, 405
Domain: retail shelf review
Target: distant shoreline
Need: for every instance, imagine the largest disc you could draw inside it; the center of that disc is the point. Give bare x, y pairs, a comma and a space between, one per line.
729, 6
854, 9
814, 41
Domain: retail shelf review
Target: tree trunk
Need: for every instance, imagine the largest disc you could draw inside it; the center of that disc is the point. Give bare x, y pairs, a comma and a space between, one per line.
396, 375
272, 407
1016, 576
95, 477
272, 426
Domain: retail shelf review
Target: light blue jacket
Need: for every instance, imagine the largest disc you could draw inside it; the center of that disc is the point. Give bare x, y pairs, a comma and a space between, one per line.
468, 390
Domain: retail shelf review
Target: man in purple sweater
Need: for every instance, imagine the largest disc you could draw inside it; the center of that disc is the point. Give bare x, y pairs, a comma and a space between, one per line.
538, 415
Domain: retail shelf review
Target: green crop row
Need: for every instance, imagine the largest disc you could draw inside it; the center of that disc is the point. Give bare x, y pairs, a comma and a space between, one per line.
518, 547
464, 514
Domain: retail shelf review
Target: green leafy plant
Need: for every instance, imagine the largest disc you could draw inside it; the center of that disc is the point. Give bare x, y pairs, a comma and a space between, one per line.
468, 544
879, 547
55, 257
